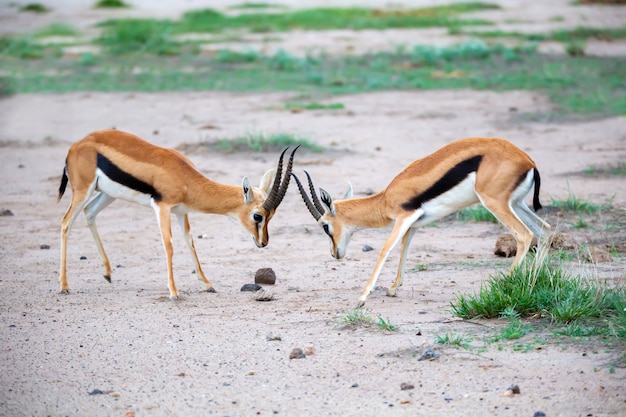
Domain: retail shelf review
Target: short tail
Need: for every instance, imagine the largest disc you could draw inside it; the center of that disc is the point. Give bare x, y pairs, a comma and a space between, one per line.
536, 204
63, 185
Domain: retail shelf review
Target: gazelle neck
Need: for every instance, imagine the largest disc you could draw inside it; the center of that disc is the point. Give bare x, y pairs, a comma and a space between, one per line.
364, 212
208, 196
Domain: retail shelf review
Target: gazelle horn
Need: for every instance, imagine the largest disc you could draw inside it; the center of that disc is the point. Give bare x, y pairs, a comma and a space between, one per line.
317, 213
279, 188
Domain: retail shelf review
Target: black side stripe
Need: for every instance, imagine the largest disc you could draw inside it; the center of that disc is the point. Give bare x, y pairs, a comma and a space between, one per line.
451, 179
124, 178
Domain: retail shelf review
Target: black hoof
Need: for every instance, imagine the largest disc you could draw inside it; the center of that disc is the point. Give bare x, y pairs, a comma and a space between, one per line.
211, 290
108, 278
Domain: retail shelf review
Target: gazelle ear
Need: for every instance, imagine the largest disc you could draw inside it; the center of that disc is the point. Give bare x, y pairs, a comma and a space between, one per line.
267, 180
247, 191
349, 191
327, 201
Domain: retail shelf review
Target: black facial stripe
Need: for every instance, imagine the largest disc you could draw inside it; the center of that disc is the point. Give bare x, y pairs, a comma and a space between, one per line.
124, 178
451, 179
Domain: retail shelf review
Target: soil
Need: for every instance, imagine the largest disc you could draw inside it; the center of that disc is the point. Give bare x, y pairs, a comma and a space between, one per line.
123, 348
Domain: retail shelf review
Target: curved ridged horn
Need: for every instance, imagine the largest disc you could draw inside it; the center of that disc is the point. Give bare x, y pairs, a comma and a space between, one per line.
318, 204
312, 209
279, 188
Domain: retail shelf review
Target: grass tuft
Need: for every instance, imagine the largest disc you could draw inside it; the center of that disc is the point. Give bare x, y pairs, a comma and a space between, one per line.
34, 8
111, 4
260, 142
476, 213
542, 288
575, 204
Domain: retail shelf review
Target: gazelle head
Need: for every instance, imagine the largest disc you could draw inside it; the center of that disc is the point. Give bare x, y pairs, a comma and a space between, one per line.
261, 203
324, 211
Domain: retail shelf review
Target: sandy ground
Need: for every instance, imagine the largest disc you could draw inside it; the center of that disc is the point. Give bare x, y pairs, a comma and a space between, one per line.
209, 354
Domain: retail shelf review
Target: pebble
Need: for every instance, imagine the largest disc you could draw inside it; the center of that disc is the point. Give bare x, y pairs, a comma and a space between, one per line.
297, 353
251, 287
96, 392
6, 212
262, 295
405, 386
265, 276
429, 355
367, 248
273, 337
44, 246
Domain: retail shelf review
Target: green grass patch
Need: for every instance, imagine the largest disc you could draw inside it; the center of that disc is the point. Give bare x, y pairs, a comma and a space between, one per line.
543, 288
453, 339
359, 318
255, 6
111, 4
209, 20
314, 106
575, 204
34, 8
618, 169
476, 213
56, 29
261, 142
576, 85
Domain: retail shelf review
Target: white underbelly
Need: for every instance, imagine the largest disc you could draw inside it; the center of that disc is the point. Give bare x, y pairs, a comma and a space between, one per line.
453, 200
117, 190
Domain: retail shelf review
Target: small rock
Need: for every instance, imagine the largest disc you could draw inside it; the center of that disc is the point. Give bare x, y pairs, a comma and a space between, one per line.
273, 337
506, 245
597, 255
83, 257
6, 212
265, 276
429, 355
309, 350
539, 414
355, 385
44, 246
96, 392
367, 248
511, 391
514, 388
297, 353
251, 287
560, 240
405, 386
129, 414
262, 295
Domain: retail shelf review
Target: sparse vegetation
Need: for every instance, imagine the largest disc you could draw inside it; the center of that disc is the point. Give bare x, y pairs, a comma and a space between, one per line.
260, 142
34, 8
453, 339
476, 213
543, 288
359, 318
575, 204
314, 106
111, 4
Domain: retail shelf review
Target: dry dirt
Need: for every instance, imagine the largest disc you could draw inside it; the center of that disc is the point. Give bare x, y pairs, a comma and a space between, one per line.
209, 354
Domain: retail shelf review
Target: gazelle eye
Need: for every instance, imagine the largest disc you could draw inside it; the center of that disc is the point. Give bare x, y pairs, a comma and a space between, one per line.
326, 229
257, 217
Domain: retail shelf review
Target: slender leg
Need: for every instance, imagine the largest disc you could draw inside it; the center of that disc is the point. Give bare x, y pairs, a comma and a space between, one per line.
78, 202
398, 231
502, 211
540, 228
93, 207
183, 220
404, 250
165, 224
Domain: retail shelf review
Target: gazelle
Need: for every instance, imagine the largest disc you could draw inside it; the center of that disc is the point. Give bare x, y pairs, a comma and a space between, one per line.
115, 164
491, 171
